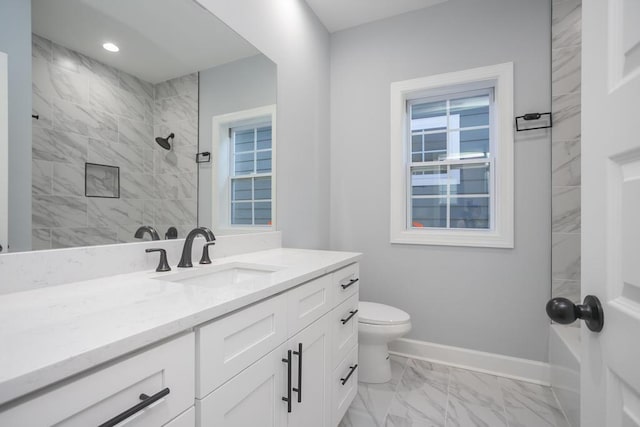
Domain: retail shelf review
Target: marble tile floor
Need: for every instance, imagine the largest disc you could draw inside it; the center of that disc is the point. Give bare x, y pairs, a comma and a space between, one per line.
425, 394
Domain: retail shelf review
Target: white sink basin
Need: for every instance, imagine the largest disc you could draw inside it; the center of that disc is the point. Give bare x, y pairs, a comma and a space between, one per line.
221, 275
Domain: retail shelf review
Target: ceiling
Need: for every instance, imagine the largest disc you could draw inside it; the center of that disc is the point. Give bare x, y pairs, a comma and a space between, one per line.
156, 43
338, 15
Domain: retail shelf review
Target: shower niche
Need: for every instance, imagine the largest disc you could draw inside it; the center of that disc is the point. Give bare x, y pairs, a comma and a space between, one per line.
101, 181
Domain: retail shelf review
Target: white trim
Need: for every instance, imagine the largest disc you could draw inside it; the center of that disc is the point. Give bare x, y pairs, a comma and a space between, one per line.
4, 152
220, 217
496, 364
502, 235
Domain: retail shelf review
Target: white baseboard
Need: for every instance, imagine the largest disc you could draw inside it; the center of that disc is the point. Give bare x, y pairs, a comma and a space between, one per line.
496, 364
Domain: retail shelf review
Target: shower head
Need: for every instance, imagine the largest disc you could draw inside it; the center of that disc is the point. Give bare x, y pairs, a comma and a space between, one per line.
164, 142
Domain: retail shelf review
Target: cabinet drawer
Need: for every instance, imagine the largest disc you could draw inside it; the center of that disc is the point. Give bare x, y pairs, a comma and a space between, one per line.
100, 396
346, 282
308, 302
345, 386
344, 321
228, 345
252, 398
186, 419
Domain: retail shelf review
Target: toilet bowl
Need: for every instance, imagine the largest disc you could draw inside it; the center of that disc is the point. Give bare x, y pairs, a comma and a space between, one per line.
378, 325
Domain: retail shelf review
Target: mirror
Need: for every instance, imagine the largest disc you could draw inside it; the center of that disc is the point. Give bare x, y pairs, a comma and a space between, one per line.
125, 93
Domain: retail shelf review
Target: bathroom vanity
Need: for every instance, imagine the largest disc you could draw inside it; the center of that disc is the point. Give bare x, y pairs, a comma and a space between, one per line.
265, 338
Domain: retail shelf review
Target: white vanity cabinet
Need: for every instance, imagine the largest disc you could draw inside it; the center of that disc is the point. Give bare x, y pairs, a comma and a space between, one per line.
289, 360
294, 383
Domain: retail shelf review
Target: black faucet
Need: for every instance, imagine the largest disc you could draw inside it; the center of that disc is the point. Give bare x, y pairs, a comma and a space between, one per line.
147, 229
185, 260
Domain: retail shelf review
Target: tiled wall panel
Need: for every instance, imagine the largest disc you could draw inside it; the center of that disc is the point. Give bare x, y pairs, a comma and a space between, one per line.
565, 163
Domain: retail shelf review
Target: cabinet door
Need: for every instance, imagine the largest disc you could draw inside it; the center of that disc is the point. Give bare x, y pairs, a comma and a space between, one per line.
310, 406
252, 398
227, 346
308, 302
344, 335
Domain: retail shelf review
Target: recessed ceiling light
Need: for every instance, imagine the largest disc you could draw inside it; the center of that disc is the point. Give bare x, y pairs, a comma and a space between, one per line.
111, 47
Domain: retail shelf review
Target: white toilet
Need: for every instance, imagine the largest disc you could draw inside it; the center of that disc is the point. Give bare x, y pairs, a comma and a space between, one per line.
378, 325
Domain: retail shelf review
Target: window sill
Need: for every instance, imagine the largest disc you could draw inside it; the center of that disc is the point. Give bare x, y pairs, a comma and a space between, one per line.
479, 239
225, 231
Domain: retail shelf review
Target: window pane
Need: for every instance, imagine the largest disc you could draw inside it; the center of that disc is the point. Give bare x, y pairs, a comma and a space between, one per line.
429, 116
264, 162
435, 146
241, 213
262, 188
467, 112
244, 163
429, 212
241, 189
429, 180
416, 144
264, 138
470, 212
469, 144
470, 179
263, 213
244, 140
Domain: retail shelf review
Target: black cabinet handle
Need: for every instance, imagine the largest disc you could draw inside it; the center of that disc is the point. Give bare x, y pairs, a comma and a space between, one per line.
299, 389
288, 398
351, 371
351, 282
351, 314
146, 401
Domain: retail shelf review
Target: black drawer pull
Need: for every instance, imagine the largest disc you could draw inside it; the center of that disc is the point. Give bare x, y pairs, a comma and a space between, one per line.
299, 388
351, 282
146, 401
351, 371
288, 398
351, 314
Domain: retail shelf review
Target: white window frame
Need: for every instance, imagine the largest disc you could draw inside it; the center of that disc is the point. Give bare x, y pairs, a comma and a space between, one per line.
501, 233
221, 161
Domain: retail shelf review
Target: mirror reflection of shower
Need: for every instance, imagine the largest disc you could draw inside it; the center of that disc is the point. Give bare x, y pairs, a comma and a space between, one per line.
164, 142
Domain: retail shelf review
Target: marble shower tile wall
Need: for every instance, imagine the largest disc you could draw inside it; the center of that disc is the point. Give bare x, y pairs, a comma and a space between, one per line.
175, 110
91, 112
565, 154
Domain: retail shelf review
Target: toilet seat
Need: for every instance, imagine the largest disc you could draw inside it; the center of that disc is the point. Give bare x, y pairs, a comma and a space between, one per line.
373, 313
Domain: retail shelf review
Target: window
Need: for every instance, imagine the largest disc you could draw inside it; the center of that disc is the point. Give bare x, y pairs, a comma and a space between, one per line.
244, 169
251, 175
452, 159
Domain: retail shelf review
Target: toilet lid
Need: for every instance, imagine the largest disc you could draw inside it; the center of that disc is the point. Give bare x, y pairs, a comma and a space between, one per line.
380, 314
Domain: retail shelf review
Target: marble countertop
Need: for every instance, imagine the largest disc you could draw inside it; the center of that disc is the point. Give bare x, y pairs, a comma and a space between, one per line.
52, 333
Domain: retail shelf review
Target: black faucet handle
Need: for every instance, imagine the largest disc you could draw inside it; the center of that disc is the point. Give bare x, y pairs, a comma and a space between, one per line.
163, 265
205, 253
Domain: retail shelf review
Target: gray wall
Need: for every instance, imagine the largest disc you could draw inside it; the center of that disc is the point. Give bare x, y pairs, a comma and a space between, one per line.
15, 40
240, 85
484, 299
290, 34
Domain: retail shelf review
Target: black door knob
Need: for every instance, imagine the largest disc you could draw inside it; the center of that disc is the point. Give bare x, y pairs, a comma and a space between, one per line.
562, 310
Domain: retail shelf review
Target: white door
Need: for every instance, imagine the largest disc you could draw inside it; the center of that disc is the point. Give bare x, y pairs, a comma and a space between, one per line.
610, 378
311, 407
4, 153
